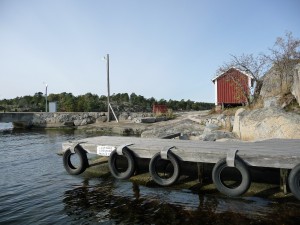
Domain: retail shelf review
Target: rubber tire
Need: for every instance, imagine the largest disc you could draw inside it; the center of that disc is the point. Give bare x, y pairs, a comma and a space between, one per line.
294, 181
159, 180
237, 191
131, 164
70, 168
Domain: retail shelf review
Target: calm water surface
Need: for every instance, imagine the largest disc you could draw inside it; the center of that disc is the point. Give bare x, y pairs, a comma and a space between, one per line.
35, 189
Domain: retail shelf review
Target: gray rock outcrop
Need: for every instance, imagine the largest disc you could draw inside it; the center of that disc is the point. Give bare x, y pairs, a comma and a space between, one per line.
266, 123
275, 85
272, 84
295, 90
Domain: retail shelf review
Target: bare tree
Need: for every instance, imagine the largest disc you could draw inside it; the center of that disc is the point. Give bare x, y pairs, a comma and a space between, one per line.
283, 56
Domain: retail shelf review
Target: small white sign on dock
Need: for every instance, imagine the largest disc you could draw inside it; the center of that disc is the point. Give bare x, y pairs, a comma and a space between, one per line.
105, 150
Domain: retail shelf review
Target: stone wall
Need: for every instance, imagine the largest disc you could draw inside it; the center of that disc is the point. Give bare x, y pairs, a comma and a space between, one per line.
67, 119
63, 119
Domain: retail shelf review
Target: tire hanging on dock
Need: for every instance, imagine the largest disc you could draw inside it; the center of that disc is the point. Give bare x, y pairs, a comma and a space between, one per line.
233, 189
82, 164
118, 172
294, 181
157, 163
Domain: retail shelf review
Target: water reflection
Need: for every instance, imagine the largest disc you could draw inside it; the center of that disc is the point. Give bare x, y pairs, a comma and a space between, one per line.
123, 202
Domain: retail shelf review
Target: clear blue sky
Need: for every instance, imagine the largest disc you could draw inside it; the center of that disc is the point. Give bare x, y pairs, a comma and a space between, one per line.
167, 49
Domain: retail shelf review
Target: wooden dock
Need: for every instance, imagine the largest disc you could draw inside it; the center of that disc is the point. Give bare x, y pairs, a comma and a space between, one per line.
274, 153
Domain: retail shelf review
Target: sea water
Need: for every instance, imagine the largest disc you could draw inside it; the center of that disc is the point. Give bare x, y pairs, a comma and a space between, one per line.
36, 189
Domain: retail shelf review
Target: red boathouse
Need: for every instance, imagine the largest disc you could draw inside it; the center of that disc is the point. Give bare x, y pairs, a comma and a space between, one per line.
232, 87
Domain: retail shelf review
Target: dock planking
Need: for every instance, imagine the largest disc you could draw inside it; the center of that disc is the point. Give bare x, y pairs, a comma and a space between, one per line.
273, 153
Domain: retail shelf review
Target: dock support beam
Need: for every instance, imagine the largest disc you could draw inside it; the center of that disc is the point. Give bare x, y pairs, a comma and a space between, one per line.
283, 180
200, 167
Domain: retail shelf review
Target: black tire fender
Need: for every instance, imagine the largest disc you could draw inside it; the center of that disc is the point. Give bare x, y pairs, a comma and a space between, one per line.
294, 181
154, 174
113, 167
235, 191
83, 161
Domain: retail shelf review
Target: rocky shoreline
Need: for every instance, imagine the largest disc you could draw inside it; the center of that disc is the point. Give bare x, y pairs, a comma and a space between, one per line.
191, 125
246, 125
196, 125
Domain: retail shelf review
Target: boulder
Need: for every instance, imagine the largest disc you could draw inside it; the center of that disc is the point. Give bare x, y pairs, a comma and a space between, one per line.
266, 123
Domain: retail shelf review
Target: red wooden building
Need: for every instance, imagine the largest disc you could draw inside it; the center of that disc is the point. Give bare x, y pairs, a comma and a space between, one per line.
232, 87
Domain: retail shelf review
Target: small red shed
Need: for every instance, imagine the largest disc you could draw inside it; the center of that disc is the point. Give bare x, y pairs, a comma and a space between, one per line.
159, 109
232, 87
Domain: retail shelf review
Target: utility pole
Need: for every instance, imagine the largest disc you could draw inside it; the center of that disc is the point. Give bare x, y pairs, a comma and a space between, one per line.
108, 88
109, 107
